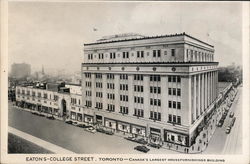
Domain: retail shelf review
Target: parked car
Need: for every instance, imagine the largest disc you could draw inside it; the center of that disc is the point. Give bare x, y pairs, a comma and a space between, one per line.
141, 141
74, 123
109, 132
69, 122
50, 117
231, 114
101, 130
42, 115
81, 125
142, 148
91, 129
233, 121
228, 130
154, 145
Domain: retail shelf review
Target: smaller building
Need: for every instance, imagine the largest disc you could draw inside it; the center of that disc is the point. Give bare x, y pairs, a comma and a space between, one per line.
60, 100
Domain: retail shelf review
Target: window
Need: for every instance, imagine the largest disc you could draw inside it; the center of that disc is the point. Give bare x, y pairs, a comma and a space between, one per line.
110, 86
169, 91
155, 115
124, 98
170, 104
110, 76
111, 96
88, 83
88, 93
125, 55
174, 104
98, 75
178, 105
100, 55
156, 90
155, 102
112, 55
124, 87
178, 92
98, 85
174, 91
159, 53
140, 54
138, 100
123, 110
170, 118
156, 53
88, 103
138, 77
99, 105
138, 112
178, 120
156, 78
124, 76
174, 118
178, 79
138, 88
111, 108
174, 79
169, 78
173, 52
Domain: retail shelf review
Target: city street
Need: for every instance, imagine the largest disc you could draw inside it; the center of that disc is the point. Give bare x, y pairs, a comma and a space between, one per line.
222, 143
70, 137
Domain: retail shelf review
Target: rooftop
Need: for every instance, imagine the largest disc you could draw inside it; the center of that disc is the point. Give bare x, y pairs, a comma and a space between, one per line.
140, 37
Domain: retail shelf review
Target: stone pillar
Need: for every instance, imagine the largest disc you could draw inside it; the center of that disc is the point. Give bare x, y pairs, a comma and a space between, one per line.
202, 93
205, 92
194, 97
198, 95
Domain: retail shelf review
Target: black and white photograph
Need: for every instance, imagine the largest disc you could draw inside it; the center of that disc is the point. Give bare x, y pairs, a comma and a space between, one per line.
149, 81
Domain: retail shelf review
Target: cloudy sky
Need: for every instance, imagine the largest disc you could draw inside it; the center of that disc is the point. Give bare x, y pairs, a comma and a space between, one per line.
53, 33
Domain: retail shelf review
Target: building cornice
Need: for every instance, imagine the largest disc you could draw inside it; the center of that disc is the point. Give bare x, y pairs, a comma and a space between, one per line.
151, 37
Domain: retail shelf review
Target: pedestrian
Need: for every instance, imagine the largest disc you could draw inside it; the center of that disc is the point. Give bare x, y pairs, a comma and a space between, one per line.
187, 150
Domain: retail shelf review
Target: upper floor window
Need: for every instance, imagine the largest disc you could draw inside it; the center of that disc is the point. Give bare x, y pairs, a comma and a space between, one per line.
98, 75
173, 52
124, 76
90, 56
100, 56
125, 55
155, 78
155, 115
110, 76
87, 75
138, 77
112, 55
156, 53
140, 54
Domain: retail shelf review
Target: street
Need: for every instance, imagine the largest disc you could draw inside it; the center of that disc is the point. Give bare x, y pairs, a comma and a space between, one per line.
71, 137
222, 143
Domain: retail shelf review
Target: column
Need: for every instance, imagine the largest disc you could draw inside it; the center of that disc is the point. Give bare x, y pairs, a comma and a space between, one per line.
202, 93
194, 97
198, 95
205, 97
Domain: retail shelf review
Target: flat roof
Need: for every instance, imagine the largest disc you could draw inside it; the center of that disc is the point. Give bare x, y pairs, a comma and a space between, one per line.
148, 37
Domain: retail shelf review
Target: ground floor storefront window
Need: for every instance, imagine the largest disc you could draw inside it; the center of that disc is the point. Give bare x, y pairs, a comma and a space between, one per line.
176, 138
138, 130
110, 124
155, 136
79, 117
124, 127
73, 115
88, 119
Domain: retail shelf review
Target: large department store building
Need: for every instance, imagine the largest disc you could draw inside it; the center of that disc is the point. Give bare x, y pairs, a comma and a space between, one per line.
161, 87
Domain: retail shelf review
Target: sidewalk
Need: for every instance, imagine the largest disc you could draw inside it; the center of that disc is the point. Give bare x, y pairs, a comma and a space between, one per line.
44, 144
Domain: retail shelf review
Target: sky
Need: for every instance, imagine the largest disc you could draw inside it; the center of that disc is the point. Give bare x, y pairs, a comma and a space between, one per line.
52, 34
